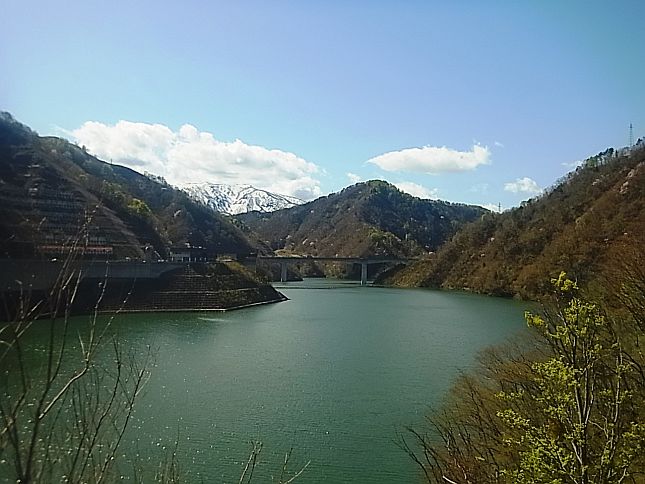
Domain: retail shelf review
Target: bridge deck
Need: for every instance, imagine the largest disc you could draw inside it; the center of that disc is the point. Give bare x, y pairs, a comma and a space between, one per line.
363, 261
357, 260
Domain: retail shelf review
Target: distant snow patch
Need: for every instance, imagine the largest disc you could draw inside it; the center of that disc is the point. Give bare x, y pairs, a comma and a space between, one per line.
236, 199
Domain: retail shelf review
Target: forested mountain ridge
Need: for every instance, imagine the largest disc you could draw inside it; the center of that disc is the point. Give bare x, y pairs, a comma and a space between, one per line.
579, 225
372, 218
48, 186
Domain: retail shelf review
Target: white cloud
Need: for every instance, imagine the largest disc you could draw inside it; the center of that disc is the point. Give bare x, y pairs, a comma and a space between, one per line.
432, 159
417, 190
189, 155
523, 185
353, 177
498, 144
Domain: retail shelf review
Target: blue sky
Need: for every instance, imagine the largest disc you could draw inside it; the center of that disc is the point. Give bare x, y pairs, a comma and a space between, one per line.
469, 101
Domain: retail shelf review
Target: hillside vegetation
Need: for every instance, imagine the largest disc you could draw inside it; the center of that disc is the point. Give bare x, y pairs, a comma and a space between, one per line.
372, 218
564, 406
49, 187
577, 226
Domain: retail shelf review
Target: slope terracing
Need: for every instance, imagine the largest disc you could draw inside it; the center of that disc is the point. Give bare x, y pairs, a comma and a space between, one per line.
196, 287
184, 287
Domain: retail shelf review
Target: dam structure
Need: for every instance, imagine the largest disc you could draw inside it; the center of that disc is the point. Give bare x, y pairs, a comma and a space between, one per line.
127, 286
42, 274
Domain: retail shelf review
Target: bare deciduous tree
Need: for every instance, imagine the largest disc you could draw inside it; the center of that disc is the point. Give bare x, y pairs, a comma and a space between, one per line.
64, 406
65, 402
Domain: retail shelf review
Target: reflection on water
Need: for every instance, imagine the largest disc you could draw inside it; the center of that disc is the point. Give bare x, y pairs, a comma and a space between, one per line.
332, 373
317, 283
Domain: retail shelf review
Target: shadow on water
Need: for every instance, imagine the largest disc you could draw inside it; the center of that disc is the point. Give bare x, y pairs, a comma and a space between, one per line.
319, 283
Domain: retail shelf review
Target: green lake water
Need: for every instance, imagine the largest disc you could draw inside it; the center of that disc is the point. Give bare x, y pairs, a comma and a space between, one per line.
333, 373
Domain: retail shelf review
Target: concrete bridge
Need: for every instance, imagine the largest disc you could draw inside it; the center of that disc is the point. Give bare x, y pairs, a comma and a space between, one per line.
363, 261
17, 274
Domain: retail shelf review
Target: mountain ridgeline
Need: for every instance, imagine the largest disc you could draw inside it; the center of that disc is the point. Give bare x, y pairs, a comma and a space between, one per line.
373, 218
582, 225
235, 199
59, 202
49, 187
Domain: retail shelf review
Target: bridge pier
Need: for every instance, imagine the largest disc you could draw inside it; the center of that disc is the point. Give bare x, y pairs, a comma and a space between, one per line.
363, 261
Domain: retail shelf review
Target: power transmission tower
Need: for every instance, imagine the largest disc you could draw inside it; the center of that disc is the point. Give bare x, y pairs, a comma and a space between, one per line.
631, 135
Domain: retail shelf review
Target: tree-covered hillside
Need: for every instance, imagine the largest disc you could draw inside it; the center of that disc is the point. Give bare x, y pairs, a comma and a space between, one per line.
366, 219
564, 406
48, 187
574, 226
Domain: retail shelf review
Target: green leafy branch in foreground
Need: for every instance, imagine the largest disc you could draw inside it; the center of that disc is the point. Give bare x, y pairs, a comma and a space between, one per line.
582, 425
566, 408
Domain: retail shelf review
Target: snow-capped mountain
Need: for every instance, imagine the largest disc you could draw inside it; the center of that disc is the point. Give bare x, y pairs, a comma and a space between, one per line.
234, 199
